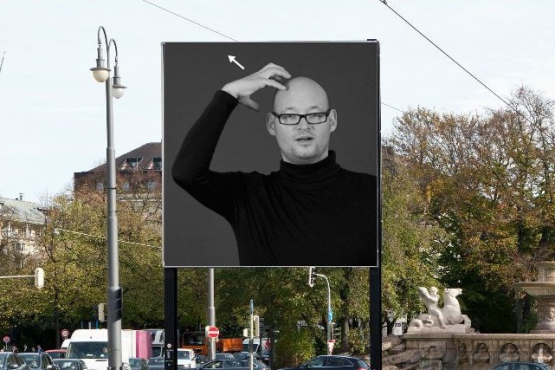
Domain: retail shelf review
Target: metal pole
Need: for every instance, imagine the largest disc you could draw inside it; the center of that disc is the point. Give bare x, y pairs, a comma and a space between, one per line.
330, 313
375, 318
114, 290
211, 314
171, 336
251, 336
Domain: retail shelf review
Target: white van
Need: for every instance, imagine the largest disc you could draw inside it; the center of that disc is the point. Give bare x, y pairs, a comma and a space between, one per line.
91, 345
186, 358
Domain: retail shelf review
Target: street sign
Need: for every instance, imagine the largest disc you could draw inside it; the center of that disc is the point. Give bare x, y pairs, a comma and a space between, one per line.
213, 332
64, 333
6, 339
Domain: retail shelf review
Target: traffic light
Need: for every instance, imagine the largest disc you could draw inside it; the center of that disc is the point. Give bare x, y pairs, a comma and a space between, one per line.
39, 277
336, 332
311, 276
256, 325
101, 312
116, 296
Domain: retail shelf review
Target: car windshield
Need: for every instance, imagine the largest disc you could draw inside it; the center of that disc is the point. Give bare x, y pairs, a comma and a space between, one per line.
2, 360
33, 360
156, 360
183, 355
315, 362
66, 365
87, 350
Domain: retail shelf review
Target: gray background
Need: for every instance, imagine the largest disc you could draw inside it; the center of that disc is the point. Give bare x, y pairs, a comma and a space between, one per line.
193, 72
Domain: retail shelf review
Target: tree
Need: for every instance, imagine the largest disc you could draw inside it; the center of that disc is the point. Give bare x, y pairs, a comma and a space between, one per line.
488, 184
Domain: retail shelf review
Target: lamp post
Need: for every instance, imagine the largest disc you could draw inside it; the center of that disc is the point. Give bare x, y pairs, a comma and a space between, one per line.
101, 73
311, 277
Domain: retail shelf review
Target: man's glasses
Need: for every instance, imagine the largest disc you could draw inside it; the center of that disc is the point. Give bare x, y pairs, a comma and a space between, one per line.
294, 119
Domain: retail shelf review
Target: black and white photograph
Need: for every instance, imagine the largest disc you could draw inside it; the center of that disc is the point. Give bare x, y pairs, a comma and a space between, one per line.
271, 154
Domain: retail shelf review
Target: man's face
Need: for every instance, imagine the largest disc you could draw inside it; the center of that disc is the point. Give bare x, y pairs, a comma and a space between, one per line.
303, 143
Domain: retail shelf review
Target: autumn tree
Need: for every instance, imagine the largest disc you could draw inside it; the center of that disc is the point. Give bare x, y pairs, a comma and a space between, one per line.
488, 183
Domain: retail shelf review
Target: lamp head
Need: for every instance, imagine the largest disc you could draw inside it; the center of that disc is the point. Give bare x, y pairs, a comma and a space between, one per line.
117, 88
100, 74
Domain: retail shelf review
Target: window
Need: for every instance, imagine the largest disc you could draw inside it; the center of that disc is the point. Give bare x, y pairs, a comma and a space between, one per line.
99, 186
156, 164
131, 163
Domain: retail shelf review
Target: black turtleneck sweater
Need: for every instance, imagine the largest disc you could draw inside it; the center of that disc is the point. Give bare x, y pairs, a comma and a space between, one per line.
302, 215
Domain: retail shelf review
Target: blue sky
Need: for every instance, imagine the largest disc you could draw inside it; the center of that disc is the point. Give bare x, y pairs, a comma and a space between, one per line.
52, 112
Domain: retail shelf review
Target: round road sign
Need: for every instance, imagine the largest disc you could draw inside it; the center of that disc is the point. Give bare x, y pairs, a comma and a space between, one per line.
6, 339
213, 332
65, 333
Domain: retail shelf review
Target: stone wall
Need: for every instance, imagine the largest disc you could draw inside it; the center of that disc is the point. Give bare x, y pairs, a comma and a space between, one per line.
450, 351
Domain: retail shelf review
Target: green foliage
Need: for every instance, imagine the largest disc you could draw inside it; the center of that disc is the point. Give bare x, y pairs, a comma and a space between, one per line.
488, 183
294, 347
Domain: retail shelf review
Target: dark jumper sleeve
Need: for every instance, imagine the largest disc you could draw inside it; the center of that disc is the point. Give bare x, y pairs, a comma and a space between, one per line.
191, 169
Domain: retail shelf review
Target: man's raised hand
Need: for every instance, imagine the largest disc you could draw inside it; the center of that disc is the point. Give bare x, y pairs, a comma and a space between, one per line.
243, 88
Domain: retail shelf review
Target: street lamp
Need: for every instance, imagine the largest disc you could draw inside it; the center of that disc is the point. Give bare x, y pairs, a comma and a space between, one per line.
115, 89
311, 278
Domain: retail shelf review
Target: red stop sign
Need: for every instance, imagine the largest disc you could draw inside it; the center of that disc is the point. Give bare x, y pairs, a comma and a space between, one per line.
213, 332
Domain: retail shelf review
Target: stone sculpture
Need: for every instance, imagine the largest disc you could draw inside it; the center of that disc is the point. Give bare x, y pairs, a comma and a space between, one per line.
446, 317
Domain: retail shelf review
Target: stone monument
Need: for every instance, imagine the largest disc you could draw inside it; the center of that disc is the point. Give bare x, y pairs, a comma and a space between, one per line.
543, 290
447, 319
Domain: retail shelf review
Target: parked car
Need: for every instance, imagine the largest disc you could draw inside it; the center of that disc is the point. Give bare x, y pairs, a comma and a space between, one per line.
56, 353
156, 363
516, 365
233, 364
70, 363
223, 355
137, 363
201, 359
11, 361
331, 362
38, 361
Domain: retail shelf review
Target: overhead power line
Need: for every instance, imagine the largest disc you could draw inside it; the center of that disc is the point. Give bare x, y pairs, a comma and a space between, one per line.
2, 62
217, 32
448, 56
189, 20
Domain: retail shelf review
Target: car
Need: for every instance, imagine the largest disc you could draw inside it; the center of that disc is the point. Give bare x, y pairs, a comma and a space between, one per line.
56, 353
517, 365
137, 363
201, 359
70, 363
332, 362
11, 361
38, 361
186, 358
233, 364
223, 355
156, 363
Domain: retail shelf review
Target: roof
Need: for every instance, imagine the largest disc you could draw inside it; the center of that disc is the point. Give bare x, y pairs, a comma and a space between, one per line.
146, 153
22, 211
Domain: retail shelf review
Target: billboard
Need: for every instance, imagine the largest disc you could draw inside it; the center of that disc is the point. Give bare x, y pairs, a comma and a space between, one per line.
247, 185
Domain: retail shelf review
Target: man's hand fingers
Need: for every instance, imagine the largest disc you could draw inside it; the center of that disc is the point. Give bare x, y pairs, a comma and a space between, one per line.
248, 102
274, 71
275, 84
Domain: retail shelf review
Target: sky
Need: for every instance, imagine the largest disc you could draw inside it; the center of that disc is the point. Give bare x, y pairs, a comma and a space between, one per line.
52, 112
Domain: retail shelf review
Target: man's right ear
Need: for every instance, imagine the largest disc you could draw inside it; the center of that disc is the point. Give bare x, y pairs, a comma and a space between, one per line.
271, 124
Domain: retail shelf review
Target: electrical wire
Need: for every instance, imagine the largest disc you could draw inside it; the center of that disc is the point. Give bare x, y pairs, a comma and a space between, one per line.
219, 33
452, 59
189, 20
57, 230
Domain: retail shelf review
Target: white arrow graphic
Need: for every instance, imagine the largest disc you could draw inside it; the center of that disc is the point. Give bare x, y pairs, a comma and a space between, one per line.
232, 60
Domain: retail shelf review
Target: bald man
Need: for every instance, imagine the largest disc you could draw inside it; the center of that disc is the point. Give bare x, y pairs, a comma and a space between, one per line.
311, 211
